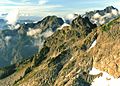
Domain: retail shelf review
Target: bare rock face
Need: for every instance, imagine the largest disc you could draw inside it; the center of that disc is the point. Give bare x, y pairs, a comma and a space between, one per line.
106, 53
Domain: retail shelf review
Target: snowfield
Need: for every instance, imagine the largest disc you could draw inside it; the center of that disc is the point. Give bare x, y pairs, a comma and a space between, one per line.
105, 79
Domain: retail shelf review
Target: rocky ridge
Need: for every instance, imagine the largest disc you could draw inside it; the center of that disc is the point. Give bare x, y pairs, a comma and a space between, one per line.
67, 56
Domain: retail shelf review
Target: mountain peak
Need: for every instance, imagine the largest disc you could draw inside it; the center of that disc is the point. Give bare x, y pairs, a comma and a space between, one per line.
48, 22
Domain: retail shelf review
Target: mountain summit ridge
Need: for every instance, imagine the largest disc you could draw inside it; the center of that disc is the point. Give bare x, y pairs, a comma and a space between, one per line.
68, 55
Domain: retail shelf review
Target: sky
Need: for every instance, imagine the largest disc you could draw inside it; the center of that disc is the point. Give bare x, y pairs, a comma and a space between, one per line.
54, 7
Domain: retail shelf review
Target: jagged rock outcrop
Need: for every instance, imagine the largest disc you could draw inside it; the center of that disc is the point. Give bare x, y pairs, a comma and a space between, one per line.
83, 24
106, 53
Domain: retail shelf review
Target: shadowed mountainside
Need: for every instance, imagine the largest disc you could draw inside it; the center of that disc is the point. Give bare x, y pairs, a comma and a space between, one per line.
22, 43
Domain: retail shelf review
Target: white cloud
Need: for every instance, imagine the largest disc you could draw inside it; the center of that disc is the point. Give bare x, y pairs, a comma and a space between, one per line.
28, 8
26, 2
32, 32
12, 17
31, 10
42, 2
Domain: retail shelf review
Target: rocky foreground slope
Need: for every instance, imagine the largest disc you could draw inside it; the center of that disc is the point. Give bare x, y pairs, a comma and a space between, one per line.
69, 55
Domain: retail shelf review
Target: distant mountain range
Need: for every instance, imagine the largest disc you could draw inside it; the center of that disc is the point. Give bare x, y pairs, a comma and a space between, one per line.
98, 17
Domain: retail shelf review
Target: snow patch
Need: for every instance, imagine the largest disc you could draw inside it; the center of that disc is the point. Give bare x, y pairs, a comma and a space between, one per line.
105, 79
64, 25
35, 22
108, 15
71, 58
115, 12
93, 44
26, 23
17, 26
97, 16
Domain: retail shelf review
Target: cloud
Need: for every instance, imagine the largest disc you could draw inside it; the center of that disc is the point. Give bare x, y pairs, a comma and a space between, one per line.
28, 7
32, 10
42, 2
12, 17
27, 2
32, 32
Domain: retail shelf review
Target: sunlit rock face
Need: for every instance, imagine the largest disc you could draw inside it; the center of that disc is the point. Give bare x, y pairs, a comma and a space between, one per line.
105, 53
